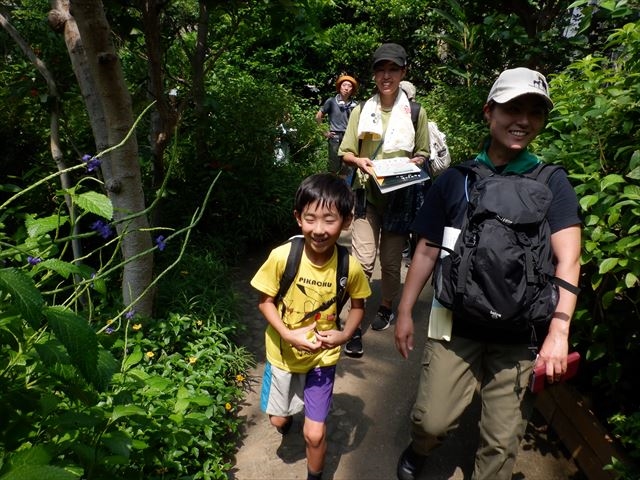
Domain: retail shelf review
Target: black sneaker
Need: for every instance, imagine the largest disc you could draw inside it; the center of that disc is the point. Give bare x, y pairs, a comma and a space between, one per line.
409, 464
383, 318
353, 347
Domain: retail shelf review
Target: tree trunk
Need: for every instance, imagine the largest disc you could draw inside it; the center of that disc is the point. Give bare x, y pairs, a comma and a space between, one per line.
197, 65
108, 101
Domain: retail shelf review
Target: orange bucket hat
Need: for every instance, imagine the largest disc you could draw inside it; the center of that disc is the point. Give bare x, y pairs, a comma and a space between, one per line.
343, 78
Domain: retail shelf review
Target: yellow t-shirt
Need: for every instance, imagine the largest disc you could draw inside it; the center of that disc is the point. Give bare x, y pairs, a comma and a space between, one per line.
313, 285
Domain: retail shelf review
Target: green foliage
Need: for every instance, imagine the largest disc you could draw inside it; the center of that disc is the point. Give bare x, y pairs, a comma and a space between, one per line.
120, 396
627, 429
458, 113
253, 200
593, 133
174, 400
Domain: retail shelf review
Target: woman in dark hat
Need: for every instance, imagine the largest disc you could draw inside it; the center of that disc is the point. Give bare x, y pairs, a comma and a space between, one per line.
382, 128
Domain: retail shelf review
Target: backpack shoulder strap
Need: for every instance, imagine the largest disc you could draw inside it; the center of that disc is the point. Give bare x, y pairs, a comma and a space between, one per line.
342, 275
543, 171
291, 268
415, 113
478, 168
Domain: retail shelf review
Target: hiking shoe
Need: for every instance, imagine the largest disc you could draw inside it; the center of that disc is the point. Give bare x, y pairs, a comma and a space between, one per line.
283, 430
383, 318
409, 464
353, 347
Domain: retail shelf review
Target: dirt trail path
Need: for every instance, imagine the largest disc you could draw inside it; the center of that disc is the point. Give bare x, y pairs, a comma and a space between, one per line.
368, 427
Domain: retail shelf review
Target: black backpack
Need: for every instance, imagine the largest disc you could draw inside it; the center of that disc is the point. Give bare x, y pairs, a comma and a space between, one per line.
500, 273
291, 270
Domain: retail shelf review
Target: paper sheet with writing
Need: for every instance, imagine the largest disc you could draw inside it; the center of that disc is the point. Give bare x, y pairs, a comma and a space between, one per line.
387, 167
441, 318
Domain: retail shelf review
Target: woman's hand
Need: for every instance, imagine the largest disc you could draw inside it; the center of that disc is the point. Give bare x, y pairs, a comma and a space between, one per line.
419, 160
364, 164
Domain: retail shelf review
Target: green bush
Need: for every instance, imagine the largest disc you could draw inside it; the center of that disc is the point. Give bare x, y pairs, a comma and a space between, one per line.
89, 389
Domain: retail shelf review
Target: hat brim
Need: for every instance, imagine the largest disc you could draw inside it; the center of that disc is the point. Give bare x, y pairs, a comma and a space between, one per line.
396, 60
508, 96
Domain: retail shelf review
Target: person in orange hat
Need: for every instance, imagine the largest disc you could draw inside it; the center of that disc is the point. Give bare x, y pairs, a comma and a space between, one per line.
338, 109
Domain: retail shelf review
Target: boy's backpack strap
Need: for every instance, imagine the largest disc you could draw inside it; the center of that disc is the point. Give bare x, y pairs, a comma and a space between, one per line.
293, 264
291, 268
342, 276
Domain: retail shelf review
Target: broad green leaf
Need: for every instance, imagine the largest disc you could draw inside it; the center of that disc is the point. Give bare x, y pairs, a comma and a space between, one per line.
630, 280
131, 360
120, 411
609, 180
634, 163
24, 295
201, 400
52, 353
632, 191
78, 338
588, 201
39, 226
158, 384
118, 442
624, 244
197, 418
634, 174
137, 374
607, 265
607, 298
181, 405
38, 472
36, 455
107, 366
64, 269
591, 220
595, 352
95, 202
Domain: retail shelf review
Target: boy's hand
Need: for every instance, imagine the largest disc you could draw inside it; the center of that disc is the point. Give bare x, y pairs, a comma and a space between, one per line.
330, 338
304, 338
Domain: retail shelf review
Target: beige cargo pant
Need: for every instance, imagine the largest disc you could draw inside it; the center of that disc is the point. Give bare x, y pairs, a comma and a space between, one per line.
451, 374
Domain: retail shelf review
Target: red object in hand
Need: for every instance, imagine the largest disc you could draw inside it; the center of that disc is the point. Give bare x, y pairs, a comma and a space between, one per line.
539, 374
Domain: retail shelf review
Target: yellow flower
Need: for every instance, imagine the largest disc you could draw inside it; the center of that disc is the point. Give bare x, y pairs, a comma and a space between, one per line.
227, 406
199, 323
150, 354
110, 321
137, 326
239, 378
192, 360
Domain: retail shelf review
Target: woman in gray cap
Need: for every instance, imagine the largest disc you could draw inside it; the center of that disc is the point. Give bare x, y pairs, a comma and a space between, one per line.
479, 350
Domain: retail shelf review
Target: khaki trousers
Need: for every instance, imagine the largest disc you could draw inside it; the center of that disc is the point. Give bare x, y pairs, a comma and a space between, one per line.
367, 237
451, 373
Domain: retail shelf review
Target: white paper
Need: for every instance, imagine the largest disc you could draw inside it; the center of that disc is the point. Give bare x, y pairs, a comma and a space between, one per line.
441, 318
388, 167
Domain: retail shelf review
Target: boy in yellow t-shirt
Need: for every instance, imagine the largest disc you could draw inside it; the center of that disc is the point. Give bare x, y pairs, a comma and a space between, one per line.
302, 354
